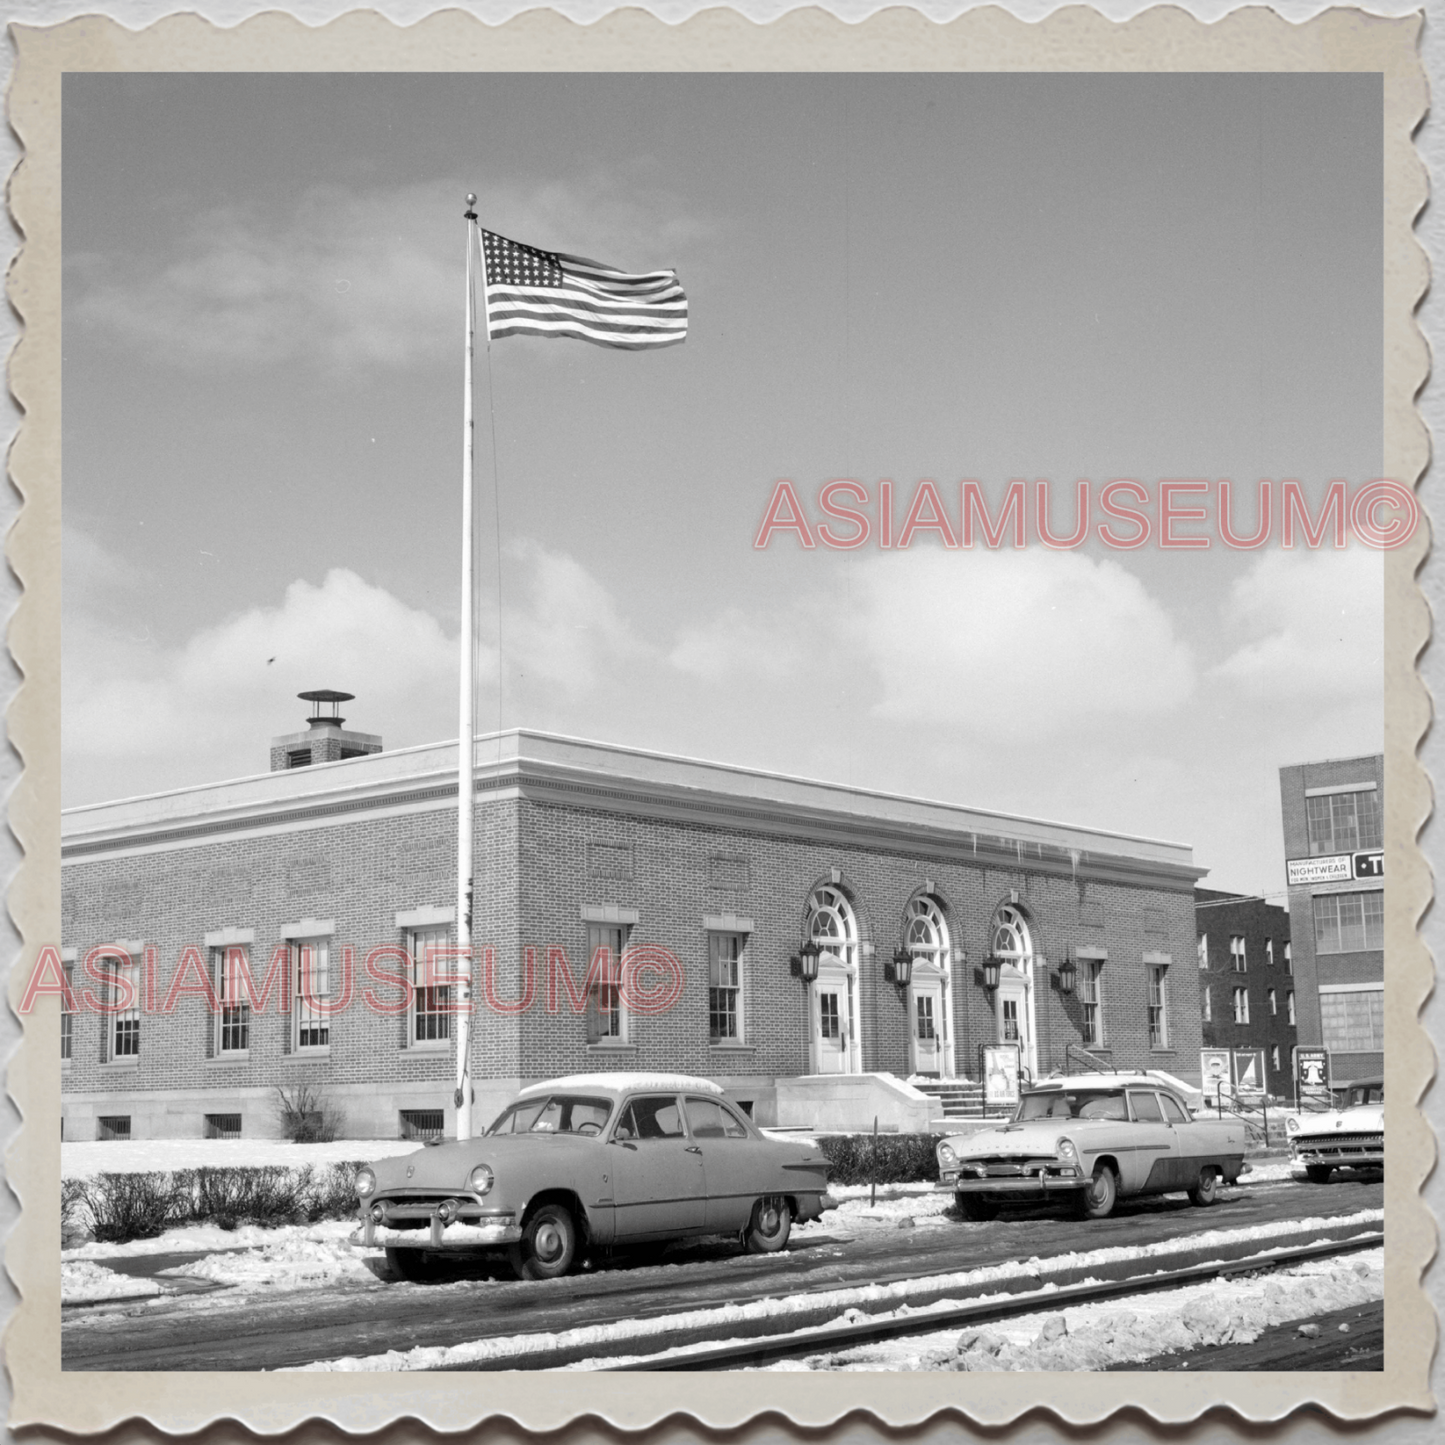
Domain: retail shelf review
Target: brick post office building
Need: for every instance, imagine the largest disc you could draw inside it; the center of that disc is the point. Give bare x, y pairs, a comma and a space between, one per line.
308, 871
1246, 984
1334, 815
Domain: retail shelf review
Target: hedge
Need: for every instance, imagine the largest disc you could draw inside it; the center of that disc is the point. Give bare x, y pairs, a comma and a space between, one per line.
115, 1208
890, 1159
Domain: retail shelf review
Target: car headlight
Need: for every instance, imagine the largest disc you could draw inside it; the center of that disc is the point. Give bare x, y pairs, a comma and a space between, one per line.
481, 1179
365, 1183
1065, 1150
1291, 1125
946, 1156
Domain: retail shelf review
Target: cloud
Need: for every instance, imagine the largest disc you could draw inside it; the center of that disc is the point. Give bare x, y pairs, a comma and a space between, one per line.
1316, 626
371, 278
734, 645
1017, 645
567, 632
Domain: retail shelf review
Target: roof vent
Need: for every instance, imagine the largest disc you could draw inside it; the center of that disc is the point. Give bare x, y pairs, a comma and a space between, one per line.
325, 739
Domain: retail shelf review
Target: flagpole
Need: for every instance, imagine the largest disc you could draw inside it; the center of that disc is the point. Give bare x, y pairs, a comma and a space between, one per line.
466, 726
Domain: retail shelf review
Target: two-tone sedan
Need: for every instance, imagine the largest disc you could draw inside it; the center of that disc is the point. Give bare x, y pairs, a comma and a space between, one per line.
577, 1166
1351, 1136
1091, 1139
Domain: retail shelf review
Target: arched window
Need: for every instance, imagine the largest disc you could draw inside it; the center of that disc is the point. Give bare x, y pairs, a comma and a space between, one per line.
1012, 941
925, 932
833, 925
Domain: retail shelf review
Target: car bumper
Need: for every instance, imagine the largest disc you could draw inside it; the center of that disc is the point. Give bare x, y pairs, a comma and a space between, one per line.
459, 1234
1354, 1158
1037, 1184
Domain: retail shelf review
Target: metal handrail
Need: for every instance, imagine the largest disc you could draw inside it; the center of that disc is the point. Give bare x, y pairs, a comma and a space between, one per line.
1095, 1064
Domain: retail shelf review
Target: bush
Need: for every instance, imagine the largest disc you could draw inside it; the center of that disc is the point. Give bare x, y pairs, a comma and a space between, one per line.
130, 1206
899, 1158
305, 1115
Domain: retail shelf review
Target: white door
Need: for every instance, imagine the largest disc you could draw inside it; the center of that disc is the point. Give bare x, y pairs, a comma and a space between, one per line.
926, 1031
831, 1025
1016, 1015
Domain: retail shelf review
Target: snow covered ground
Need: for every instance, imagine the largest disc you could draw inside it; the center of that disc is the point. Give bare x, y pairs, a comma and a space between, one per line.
79, 1160
970, 1284
82, 1282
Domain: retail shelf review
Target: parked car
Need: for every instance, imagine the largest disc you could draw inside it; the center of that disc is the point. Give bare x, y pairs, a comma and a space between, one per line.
1349, 1136
581, 1164
1092, 1138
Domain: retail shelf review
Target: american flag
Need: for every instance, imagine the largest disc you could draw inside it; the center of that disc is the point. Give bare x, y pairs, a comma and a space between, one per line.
544, 293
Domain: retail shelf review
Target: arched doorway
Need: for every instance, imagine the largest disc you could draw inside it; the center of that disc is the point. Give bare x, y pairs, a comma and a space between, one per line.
930, 992
834, 1046
1013, 945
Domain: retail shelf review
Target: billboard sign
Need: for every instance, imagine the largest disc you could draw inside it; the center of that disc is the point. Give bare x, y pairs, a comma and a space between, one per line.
1215, 1073
1312, 1075
1337, 868
1249, 1076
1001, 1074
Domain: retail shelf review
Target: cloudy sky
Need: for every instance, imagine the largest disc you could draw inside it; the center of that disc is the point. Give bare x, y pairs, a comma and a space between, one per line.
898, 277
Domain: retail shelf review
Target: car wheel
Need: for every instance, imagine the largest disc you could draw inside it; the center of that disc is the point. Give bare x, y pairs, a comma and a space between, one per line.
1207, 1190
976, 1207
548, 1245
770, 1226
1097, 1200
1319, 1173
416, 1266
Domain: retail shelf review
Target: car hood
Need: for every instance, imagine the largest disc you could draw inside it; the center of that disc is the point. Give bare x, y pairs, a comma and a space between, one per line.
446, 1166
1365, 1119
1035, 1137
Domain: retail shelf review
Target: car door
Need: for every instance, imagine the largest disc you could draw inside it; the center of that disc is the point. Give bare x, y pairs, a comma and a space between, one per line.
736, 1168
657, 1171
1191, 1143
1155, 1148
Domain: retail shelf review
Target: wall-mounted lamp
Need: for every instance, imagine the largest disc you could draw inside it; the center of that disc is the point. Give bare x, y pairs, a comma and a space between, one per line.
900, 968
990, 971
804, 963
1067, 974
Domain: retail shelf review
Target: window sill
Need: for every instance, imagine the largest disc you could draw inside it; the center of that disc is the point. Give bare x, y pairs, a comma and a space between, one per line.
230, 1058
121, 1066
725, 1048
1165, 1050
617, 1048
320, 1054
432, 1046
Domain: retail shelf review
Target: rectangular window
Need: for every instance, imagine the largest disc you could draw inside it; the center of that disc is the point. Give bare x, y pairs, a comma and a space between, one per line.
606, 1016
1288, 958
724, 986
233, 1018
1274, 1058
1204, 950
311, 975
67, 1019
125, 1026
1344, 822
1289, 1007
926, 1031
223, 1126
1207, 1005
1269, 953
1353, 1020
1349, 922
431, 1023
422, 1124
1273, 1004
828, 1018
1237, 958
1158, 1007
1241, 1005
1091, 996
113, 1126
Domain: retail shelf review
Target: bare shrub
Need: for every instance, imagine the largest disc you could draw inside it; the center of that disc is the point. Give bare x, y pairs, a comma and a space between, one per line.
306, 1116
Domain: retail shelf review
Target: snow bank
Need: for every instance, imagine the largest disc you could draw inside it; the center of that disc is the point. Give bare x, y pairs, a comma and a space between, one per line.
192, 1237
84, 1283
79, 1160
968, 1283
304, 1259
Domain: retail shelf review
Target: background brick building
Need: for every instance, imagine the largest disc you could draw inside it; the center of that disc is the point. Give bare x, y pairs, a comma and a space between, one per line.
1246, 982
1334, 849
311, 871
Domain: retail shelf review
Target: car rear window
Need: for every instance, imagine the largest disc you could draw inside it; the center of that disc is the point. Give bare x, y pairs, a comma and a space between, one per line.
707, 1119
554, 1114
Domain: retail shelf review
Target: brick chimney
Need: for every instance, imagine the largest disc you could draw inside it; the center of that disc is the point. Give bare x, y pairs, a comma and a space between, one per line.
325, 740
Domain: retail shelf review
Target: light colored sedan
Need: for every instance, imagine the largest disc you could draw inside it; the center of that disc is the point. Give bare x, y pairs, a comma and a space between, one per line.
1351, 1136
1092, 1138
579, 1165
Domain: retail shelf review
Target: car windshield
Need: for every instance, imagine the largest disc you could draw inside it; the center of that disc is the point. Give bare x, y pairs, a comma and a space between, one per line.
554, 1114
1073, 1104
1367, 1094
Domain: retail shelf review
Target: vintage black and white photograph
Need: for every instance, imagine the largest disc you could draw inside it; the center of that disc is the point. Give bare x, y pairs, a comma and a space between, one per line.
905, 557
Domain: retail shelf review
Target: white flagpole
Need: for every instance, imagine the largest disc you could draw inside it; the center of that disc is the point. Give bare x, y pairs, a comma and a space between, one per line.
466, 728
